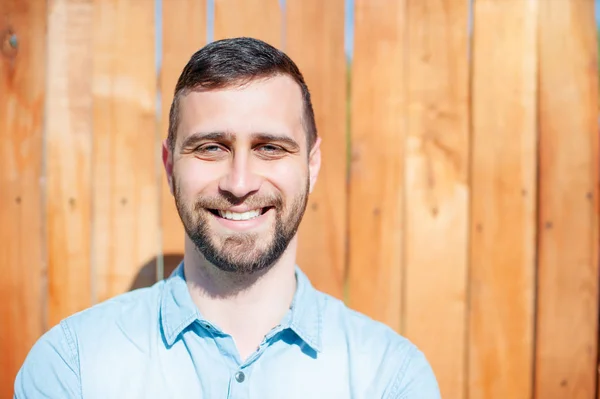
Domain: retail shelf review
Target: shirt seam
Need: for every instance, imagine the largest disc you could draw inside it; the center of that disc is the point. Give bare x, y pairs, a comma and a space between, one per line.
321, 304
395, 386
74, 353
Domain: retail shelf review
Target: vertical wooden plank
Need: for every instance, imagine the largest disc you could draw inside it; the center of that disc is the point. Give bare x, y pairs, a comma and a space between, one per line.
567, 314
378, 122
69, 157
125, 144
22, 95
315, 41
184, 32
436, 196
503, 218
260, 19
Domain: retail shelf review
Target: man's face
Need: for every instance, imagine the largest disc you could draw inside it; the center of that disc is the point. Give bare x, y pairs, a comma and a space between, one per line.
241, 173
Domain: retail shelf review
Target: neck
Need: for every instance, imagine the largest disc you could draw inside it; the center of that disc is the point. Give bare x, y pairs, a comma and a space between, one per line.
246, 307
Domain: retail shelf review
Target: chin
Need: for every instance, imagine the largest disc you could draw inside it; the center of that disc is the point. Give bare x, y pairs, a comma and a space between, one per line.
240, 253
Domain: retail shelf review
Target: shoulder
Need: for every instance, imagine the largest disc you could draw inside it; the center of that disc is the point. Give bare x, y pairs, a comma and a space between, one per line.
358, 328
129, 318
52, 366
140, 305
400, 367
131, 309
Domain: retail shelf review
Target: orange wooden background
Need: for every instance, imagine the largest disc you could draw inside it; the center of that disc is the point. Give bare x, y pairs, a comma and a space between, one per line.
458, 200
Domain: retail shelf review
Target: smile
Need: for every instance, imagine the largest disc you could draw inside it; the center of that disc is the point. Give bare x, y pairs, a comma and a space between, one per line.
248, 215
246, 221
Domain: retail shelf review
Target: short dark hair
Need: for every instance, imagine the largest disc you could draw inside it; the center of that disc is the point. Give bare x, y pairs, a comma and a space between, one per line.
236, 61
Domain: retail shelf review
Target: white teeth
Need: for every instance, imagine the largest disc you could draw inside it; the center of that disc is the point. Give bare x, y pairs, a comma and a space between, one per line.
239, 216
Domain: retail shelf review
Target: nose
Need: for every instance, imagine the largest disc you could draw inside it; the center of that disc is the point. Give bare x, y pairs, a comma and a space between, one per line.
240, 180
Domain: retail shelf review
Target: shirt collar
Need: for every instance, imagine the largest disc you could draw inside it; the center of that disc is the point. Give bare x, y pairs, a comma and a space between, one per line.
307, 312
178, 311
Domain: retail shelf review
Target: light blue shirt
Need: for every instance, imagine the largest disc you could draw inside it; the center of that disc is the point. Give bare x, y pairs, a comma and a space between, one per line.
153, 343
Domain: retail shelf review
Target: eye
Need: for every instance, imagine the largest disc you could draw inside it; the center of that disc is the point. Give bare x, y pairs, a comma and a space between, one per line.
209, 148
210, 151
270, 148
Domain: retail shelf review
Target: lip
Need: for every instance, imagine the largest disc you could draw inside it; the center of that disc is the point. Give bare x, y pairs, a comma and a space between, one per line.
243, 225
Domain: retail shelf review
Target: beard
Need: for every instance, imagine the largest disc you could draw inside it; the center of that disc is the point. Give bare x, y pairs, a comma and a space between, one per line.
241, 252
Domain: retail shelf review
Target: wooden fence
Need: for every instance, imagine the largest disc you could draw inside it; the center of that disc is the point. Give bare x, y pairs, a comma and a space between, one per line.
464, 215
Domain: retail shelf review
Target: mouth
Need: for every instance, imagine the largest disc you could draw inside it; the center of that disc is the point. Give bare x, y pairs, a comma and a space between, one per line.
240, 216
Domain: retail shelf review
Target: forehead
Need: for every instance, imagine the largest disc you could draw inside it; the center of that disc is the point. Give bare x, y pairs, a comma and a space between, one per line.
269, 105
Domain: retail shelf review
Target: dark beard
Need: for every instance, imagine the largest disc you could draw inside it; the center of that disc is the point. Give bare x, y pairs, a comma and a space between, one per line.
238, 253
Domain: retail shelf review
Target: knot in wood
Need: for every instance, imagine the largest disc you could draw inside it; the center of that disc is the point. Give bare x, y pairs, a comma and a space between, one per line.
9, 44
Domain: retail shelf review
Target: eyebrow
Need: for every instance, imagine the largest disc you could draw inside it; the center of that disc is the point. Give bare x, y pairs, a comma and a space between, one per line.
278, 138
230, 138
210, 136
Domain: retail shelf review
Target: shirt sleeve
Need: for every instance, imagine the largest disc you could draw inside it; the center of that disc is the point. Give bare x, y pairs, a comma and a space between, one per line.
51, 369
415, 380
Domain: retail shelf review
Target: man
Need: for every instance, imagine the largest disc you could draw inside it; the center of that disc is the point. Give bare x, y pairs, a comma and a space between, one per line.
237, 318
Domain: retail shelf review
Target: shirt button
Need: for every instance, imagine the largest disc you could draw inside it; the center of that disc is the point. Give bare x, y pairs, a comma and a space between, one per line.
239, 376
207, 326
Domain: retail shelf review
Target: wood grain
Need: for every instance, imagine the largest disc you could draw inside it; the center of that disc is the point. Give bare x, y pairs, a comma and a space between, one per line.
567, 315
183, 33
315, 41
437, 188
22, 96
503, 210
69, 157
260, 19
378, 128
126, 150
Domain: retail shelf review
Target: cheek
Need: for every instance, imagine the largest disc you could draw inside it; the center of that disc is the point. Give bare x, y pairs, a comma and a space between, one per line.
288, 178
194, 177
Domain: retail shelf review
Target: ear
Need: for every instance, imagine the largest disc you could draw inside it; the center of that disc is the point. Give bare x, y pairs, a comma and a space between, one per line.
167, 158
314, 163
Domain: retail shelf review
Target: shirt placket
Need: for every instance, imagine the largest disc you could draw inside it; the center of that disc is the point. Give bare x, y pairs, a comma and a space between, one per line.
241, 373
